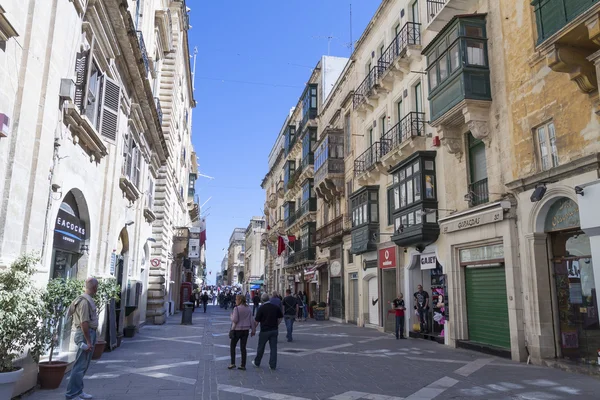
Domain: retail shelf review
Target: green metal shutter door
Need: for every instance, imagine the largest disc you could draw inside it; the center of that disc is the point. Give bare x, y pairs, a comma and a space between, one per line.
487, 307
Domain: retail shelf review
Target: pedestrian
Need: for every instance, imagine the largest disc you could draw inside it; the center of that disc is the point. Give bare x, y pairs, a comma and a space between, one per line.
197, 297
204, 300
300, 306
305, 301
85, 320
247, 297
399, 308
269, 317
290, 305
242, 325
192, 300
422, 305
275, 300
256, 301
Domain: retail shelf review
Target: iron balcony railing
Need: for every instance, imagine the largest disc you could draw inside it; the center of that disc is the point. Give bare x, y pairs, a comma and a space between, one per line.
372, 155
434, 7
159, 110
361, 93
410, 34
479, 192
140, 37
304, 255
289, 221
413, 124
332, 229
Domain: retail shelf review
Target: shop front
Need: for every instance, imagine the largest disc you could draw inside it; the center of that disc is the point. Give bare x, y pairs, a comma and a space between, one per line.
481, 281
425, 270
387, 266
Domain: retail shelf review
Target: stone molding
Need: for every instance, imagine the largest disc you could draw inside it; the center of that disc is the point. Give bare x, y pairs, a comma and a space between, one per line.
130, 191
83, 133
574, 62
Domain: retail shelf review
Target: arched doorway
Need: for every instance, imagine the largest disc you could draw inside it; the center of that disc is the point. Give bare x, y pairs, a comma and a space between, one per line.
575, 302
71, 238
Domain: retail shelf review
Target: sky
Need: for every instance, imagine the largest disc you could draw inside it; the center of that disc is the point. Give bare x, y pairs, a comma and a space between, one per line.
254, 59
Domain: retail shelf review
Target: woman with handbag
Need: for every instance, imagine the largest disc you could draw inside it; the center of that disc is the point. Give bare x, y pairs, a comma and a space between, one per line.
242, 324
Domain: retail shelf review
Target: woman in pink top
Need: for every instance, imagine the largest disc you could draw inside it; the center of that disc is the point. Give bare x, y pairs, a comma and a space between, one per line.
242, 324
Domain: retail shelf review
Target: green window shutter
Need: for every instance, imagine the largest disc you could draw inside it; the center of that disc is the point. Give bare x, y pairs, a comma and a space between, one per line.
477, 160
487, 306
81, 71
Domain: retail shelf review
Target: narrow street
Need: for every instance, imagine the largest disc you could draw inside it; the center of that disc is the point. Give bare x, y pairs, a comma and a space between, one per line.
325, 361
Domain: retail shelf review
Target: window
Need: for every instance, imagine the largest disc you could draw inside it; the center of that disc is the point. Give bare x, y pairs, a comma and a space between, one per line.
290, 138
383, 126
307, 142
381, 50
413, 183
365, 208
132, 160
418, 98
289, 171
150, 193
454, 58
350, 257
475, 53
370, 137
415, 12
348, 133
309, 103
548, 153
478, 182
349, 191
307, 191
96, 95
399, 111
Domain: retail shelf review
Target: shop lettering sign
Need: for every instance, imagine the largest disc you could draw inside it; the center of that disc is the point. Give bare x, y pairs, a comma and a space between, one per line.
69, 232
484, 218
564, 214
387, 257
428, 261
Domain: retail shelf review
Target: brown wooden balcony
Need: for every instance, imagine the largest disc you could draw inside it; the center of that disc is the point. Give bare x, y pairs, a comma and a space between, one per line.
332, 232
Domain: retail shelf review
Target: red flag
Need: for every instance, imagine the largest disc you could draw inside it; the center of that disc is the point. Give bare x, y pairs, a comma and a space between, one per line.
202, 232
283, 242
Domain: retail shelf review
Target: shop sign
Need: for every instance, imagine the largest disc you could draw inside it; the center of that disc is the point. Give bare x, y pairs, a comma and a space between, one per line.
387, 257
335, 268
194, 248
428, 261
69, 232
564, 214
354, 275
492, 252
472, 221
113, 263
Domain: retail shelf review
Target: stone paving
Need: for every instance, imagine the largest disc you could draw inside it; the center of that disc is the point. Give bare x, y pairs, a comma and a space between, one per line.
325, 361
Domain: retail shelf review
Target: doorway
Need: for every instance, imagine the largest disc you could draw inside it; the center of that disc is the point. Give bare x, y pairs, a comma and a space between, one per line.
373, 301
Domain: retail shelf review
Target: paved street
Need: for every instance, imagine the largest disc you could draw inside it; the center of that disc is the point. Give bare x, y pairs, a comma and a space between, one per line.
325, 361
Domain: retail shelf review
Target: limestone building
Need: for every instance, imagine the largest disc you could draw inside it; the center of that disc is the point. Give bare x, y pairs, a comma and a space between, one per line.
236, 257
254, 263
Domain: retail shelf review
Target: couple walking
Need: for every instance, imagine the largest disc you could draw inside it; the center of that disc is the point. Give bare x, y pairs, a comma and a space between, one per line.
269, 316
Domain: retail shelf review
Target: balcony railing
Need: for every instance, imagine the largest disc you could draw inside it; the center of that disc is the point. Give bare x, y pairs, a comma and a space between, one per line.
361, 93
434, 7
331, 230
304, 255
159, 110
410, 34
140, 37
306, 207
289, 221
479, 193
413, 124
367, 160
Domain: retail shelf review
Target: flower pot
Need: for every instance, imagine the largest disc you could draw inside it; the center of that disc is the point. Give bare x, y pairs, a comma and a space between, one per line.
98, 349
7, 383
129, 331
51, 375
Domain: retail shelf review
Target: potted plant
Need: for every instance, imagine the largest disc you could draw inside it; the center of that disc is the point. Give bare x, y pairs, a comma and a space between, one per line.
108, 290
59, 295
320, 311
20, 314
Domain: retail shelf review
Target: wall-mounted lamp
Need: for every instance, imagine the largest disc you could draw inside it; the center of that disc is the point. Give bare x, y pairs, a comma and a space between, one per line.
84, 249
538, 193
579, 190
129, 223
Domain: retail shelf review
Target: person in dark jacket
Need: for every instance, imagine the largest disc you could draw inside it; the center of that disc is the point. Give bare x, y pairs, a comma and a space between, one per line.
256, 301
204, 300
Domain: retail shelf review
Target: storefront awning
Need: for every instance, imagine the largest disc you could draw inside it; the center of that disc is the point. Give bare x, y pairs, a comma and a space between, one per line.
254, 287
258, 282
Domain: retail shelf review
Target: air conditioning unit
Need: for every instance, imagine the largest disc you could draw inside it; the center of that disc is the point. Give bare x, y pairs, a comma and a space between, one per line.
67, 89
4, 125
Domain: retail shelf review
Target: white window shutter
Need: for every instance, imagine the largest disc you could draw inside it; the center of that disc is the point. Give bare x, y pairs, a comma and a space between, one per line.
109, 108
81, 71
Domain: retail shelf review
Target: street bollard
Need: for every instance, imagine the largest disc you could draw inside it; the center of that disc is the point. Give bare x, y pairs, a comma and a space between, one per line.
186, 315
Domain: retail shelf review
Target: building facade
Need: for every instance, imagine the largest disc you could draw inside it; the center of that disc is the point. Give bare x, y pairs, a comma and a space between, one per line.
236, 257
254, 263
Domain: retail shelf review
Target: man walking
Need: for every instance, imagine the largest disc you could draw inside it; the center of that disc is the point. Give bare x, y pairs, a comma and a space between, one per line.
256, 301
399, 308
85, 320
290, 305
269, 317
422, 303
204, 299
275, 300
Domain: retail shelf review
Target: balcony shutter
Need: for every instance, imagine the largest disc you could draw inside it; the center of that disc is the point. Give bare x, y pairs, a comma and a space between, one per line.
109, 108
81, 71
126, 155
137, 167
